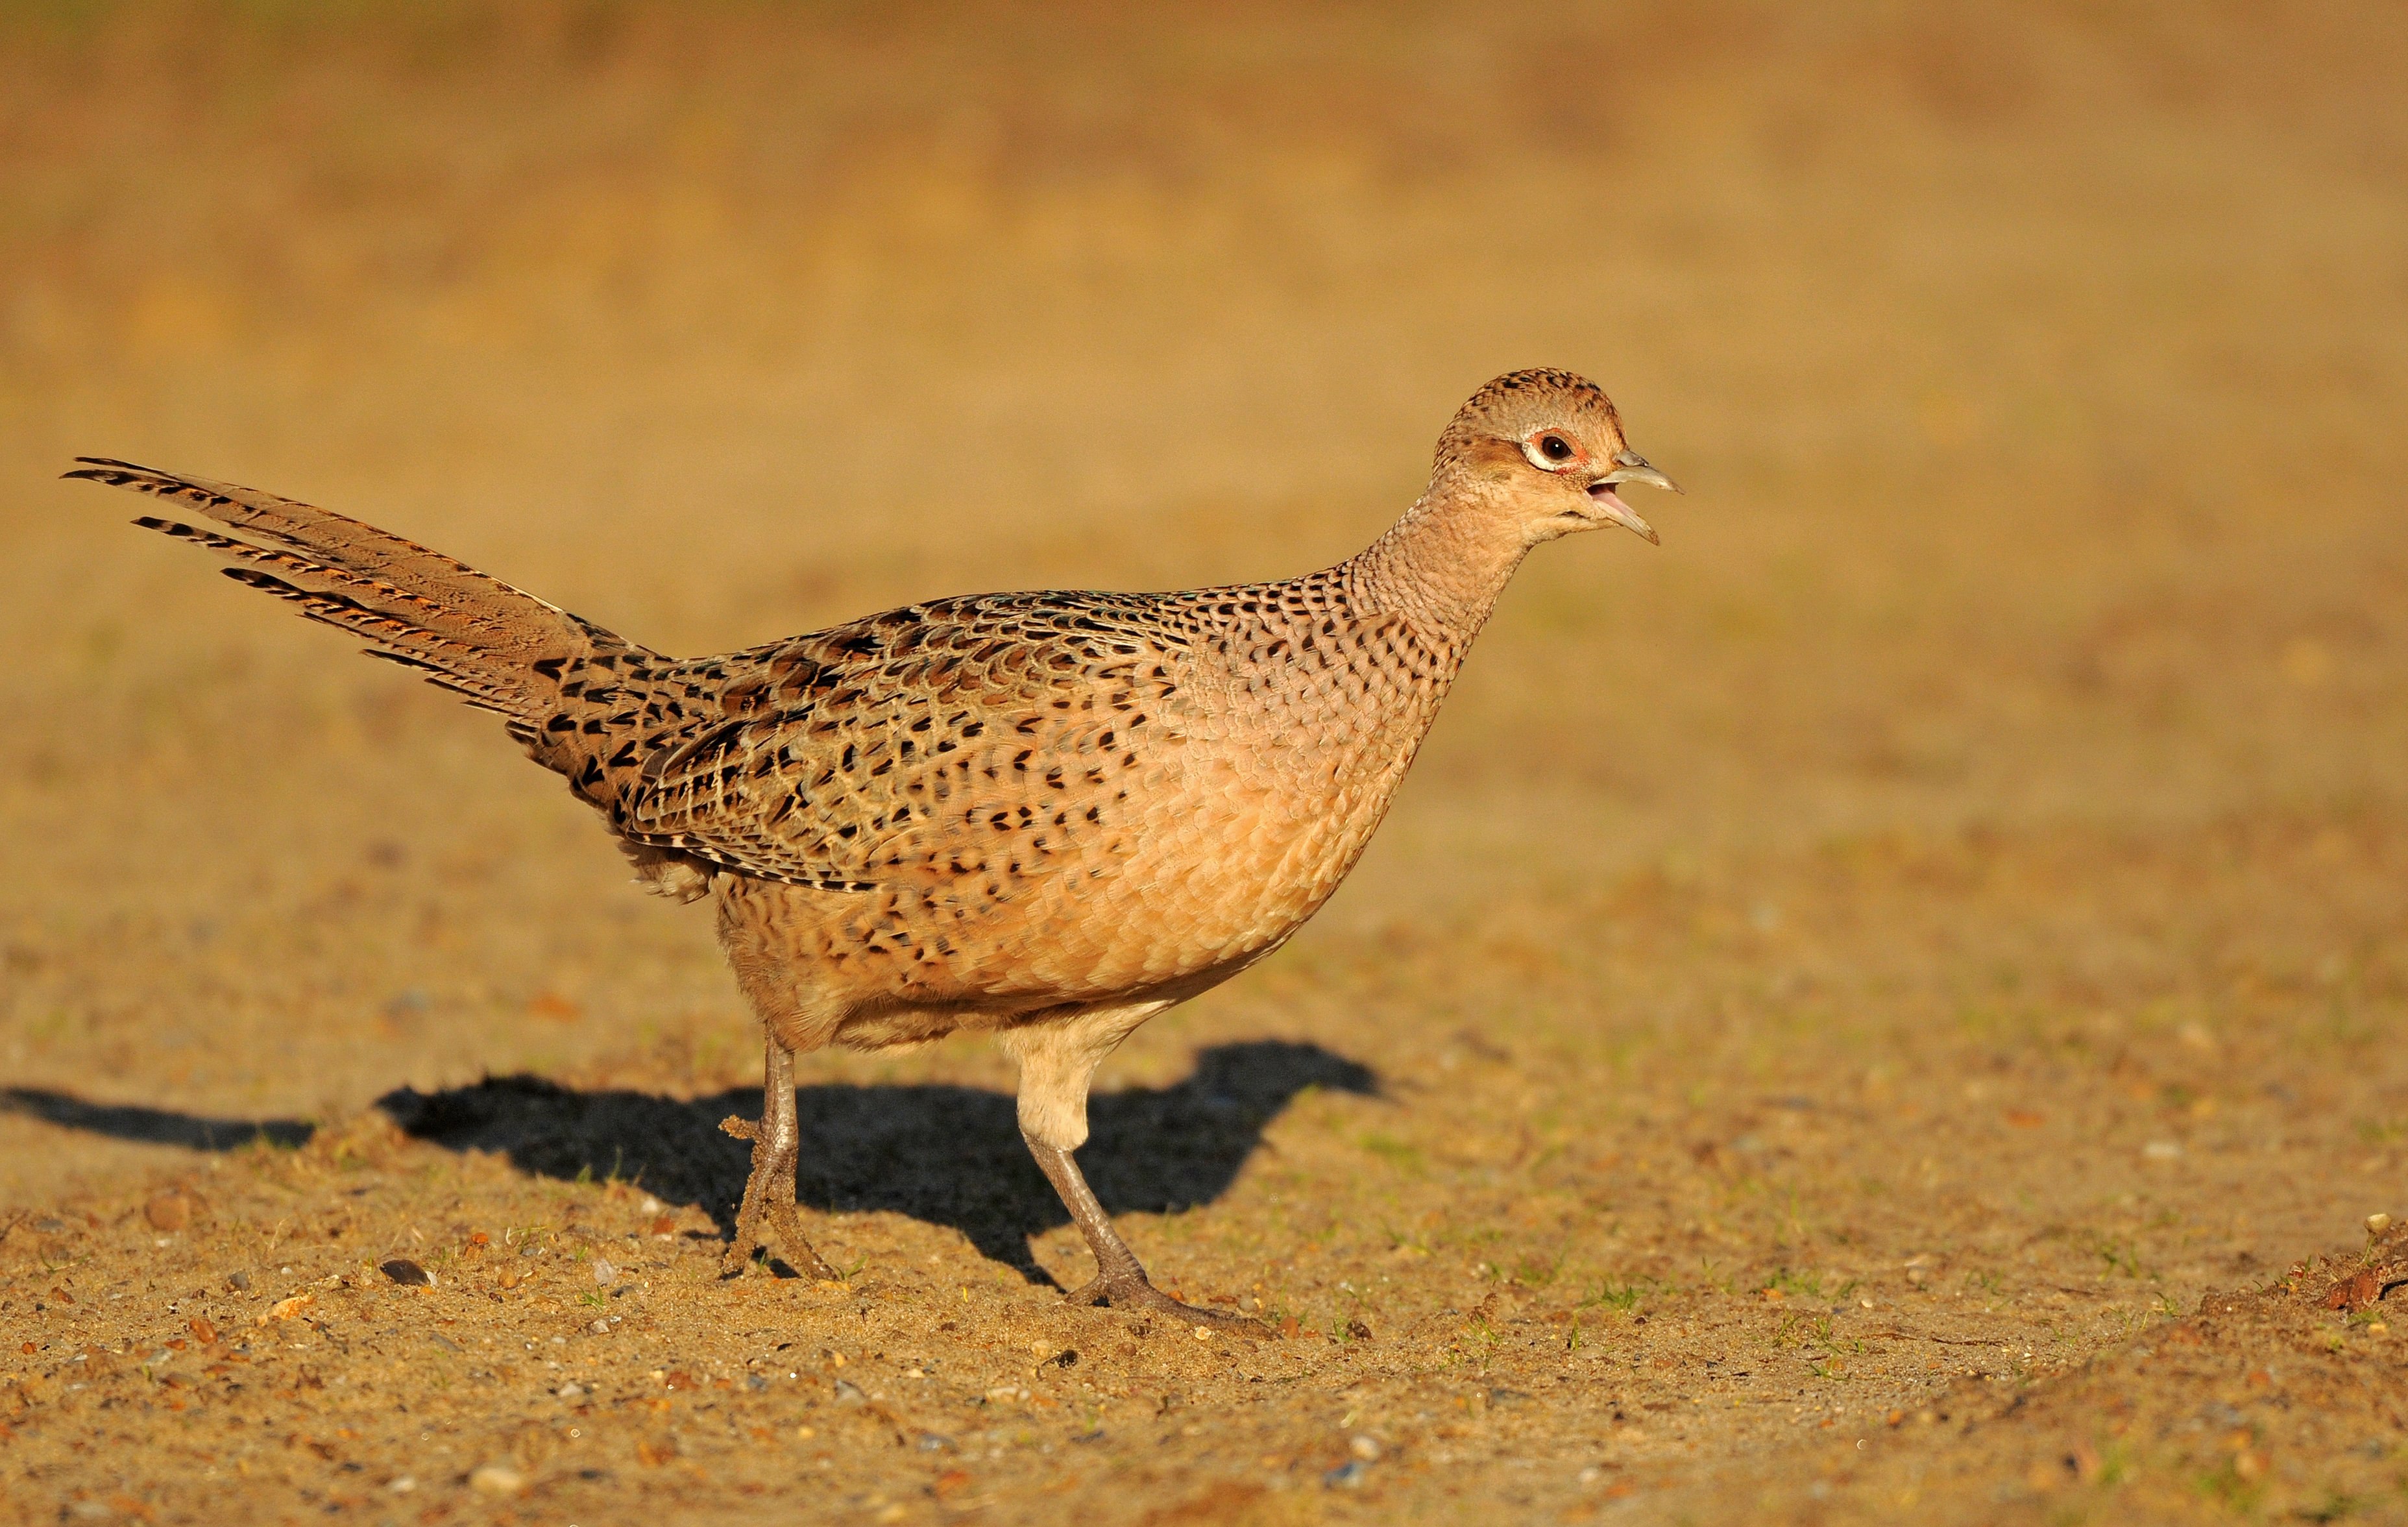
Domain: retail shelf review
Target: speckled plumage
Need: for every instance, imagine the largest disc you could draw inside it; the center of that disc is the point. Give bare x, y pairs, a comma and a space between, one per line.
1045, 814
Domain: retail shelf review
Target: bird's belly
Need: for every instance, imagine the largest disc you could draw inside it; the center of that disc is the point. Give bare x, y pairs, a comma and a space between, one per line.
1202, 883
1212, 881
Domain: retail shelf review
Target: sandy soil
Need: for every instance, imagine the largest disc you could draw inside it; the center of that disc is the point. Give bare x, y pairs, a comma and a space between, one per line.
1887, 1007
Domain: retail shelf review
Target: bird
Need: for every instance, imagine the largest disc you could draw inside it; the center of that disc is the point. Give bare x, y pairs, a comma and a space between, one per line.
1043, 816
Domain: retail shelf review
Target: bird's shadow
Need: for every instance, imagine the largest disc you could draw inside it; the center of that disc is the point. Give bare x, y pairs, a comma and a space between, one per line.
944, 1153
152, 1126
941, 1153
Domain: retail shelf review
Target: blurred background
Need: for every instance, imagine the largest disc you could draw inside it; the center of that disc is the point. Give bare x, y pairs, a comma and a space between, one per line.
2035, 371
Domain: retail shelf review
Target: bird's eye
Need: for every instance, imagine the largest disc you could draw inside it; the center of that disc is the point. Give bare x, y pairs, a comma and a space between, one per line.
1551, 451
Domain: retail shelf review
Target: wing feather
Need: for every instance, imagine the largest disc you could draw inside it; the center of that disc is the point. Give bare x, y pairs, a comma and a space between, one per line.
980, 739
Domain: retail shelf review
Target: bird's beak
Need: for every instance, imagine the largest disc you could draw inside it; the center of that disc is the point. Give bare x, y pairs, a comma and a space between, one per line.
1629, 467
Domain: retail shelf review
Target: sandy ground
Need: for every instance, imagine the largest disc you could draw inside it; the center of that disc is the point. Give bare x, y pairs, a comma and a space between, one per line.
1887, 1007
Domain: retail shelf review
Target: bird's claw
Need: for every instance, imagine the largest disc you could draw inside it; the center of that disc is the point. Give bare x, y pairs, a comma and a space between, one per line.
1134, 1292
770, 1195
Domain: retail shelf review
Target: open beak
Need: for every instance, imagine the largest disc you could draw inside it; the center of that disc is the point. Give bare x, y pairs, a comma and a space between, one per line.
1629, 467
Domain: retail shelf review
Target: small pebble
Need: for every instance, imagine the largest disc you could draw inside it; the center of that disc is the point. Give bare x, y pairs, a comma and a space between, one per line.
931, 1442
497, 1479
600, 1327
1365, 1447
604, 1273
848, 1394
572, 1390
239, 1281
286, 1309
652, 1204
2378, 1223
169, 1212
401, 1484
406, 1272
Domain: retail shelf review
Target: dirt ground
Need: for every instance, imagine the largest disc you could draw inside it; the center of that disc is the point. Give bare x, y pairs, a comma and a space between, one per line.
1887, 1007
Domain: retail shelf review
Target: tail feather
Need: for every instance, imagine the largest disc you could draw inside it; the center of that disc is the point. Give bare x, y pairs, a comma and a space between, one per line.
498, 647
369, 590
395, 641
582, 701
506, 618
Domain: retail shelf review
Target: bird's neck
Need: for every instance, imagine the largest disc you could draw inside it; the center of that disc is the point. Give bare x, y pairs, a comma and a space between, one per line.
1441, 567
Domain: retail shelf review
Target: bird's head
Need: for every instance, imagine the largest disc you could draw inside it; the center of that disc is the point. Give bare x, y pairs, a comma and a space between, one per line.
1540, 454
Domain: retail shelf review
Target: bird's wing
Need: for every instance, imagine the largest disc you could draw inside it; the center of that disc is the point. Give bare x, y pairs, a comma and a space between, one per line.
983, 739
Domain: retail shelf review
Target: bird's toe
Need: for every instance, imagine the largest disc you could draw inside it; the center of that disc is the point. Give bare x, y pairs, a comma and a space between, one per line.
1136, 1293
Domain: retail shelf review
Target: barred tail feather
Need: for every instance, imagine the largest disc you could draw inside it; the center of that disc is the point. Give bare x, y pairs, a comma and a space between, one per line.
497, 647
504, 615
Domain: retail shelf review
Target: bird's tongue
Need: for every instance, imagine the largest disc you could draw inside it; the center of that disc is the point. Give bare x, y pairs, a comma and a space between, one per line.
1622, 514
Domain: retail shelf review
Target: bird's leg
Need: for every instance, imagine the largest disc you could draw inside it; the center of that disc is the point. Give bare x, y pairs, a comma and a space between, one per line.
1120, 1279
769, 1191
1057, 1056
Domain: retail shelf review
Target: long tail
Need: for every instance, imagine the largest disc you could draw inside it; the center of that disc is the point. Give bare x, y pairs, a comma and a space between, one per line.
503, 649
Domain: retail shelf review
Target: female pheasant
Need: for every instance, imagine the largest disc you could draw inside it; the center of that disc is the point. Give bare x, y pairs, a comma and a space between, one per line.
1047, 817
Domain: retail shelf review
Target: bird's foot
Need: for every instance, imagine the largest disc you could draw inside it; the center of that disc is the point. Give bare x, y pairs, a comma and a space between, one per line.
769, 1208
1133, 1291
